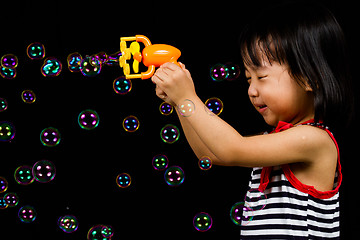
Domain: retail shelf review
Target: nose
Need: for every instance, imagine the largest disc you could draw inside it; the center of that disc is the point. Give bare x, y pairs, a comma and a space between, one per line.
253, 91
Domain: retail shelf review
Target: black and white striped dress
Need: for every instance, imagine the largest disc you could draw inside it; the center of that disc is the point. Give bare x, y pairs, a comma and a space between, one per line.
292, 210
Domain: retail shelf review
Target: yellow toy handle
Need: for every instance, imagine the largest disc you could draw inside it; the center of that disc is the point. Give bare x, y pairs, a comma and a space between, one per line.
152, 55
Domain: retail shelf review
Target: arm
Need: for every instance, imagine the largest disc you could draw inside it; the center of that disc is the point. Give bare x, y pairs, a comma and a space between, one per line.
300, 144
196, 144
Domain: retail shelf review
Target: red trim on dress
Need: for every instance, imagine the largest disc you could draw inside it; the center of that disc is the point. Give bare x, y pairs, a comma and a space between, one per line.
265, 173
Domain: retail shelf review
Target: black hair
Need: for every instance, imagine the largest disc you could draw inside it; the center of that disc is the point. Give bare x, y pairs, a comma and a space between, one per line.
306, 37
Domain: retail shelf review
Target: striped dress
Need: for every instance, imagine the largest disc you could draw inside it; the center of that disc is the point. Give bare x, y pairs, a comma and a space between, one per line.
279, 206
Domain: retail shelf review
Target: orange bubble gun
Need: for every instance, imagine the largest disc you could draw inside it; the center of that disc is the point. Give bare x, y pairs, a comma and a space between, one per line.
153, 55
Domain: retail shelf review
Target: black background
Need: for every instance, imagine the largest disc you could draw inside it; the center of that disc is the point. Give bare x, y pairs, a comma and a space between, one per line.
87, 162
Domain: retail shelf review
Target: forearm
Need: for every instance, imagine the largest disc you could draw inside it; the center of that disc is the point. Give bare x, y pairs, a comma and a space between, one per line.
209, 132
196, 144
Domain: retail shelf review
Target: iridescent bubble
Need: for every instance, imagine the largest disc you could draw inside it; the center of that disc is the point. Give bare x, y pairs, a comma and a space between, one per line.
3, 184
255, 199
160, 162
88, 119
170, 133
23, 175
218, 73
51, 68
215, 105
68, 223
122, 86
174, 176
36, 51
233, 71
28, 96
96, 233
107, 231
27, 214
241, 214
50, 137
3, 204
123, 180
74, 61
131, 124
205, 163
9, 61
165, 108
101, 56
7, 131
8, 73
186, 108
11, 199
90, 66
202, 222
113, 59
3, 104
44, 171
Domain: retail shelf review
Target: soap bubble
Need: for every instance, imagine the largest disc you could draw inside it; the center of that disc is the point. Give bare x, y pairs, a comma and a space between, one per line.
36, 51
7, 131
44, 171
170, 133
3, 204
28, 96
3, 104
218, 73
174, 176
8, 73
51, 68
88, 119
241, 214
205, 163
233, 71
23, 175
165, 108
3, 184
74, 61
122, 86
9, 61
131, 124
90, 66
113, 59
186, 108
107, 231
215, 105
202, 222
50, 137
27, 214
68, 223
123, 180
160, 162
11, 199
98, 232
255, 199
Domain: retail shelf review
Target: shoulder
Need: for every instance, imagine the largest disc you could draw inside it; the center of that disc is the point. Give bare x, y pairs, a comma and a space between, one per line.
313, 141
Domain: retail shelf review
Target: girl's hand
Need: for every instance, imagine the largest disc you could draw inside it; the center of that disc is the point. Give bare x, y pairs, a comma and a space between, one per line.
173, 84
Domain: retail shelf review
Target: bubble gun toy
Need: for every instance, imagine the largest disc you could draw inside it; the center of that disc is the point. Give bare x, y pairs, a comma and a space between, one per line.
152, 56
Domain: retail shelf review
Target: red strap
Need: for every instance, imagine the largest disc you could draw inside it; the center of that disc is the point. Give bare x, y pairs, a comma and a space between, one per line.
266, 171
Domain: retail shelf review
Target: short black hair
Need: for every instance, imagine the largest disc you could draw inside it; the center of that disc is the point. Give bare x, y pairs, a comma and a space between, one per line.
308, 38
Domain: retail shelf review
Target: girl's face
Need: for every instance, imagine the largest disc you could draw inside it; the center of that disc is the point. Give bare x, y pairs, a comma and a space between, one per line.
277, 96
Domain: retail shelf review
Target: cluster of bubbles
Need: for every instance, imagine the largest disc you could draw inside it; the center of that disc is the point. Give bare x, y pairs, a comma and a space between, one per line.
44, 171
220, 72
8, 62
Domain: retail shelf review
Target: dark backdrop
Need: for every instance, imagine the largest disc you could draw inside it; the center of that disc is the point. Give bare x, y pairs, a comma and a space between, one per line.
87, 162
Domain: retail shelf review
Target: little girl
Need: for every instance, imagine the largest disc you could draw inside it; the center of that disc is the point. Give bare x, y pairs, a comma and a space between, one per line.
295, 64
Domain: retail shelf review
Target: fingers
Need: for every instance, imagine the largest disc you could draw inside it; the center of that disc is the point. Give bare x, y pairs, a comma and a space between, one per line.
170, 66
